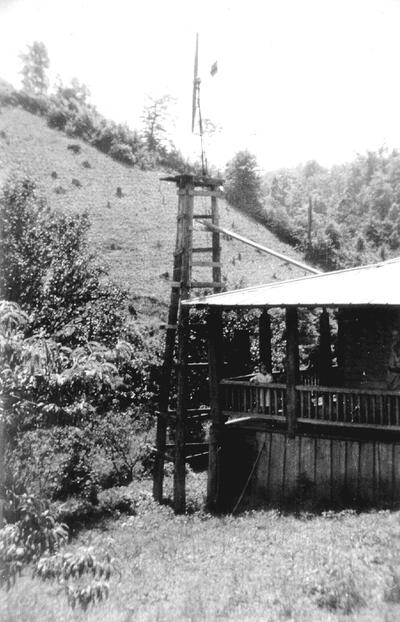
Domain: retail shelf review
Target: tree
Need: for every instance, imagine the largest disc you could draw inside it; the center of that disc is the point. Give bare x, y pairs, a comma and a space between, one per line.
155, 116
35, 64
45, 267
243, 183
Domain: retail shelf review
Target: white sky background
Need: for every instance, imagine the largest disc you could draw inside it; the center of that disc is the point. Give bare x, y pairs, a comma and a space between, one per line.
297, 79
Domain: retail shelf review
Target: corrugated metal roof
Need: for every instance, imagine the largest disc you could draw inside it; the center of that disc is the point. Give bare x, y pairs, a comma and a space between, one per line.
376, 284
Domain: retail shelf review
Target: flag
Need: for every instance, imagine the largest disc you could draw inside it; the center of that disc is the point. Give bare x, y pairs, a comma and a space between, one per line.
214, 68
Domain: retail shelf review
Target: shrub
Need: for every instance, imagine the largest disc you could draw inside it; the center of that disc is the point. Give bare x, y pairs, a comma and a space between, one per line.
45, 265
36, 104
57, 118
36, 539
75, 148
60, 190
123, 153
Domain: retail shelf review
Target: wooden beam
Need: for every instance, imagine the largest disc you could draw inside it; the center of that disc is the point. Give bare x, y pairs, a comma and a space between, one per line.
325, 357
292, 367
215, 362
183, 338
265, 336
216, 245
162, 423
260, 247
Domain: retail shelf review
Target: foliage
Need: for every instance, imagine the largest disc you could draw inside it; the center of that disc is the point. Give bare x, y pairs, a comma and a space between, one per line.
45, 267
243, 184
359, 201
155, 118
33, 533
35, 64
35, 538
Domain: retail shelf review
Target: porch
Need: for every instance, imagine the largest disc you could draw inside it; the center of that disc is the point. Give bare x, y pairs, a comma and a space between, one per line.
314, 404
329, 432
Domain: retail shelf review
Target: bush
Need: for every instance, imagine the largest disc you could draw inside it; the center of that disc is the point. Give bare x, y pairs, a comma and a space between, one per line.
45, 265
123, 153
36, 104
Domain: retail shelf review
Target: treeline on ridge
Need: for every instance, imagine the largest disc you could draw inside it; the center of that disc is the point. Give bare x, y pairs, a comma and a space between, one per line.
355, 206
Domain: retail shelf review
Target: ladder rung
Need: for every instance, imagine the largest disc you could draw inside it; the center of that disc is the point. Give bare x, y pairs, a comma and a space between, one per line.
201, 193
199, 364
206, 249
207, 264
205, 284
175, 284
202, 215
168, 326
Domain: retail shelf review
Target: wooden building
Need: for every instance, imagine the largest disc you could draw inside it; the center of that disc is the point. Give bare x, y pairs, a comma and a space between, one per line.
328, 435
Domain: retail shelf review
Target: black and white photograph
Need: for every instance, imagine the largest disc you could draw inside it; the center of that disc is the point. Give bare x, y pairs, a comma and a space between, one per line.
199, 314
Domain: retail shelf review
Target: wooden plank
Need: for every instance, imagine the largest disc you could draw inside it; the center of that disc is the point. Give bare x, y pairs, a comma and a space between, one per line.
183, 339
325, 356
396, 474
307, 462
205, 284
352, 472
204, 249
215, 361
206, 264
366, 480
278, 442
265, 336
202, 193
323, 466
292, 367
338, 472
216, 244
259, 485
260, 247
161, 431
385, 470
291, 470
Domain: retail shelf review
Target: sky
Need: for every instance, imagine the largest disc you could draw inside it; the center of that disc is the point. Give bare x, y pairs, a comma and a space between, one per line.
297, 80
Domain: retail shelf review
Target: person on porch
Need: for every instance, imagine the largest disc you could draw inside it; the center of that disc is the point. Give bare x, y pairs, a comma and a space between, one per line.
262, 400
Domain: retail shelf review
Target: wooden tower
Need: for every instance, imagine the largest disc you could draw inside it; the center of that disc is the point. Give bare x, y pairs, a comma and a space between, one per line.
187, 257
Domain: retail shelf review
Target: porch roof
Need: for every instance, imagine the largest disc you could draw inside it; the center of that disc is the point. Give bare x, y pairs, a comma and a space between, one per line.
375, 284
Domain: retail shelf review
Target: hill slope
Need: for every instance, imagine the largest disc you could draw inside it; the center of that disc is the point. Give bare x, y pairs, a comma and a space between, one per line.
134, 233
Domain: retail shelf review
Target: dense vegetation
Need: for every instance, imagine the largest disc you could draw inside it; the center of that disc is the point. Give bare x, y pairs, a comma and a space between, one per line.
75, 379
355, 206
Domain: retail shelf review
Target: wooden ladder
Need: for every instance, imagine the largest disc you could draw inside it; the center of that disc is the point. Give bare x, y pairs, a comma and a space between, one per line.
186, 258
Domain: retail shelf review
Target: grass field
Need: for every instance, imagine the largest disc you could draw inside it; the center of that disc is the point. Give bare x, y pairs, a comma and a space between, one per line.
255, 566
134, 234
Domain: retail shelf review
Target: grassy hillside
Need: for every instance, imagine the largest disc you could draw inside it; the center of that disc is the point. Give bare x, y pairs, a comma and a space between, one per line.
133, 233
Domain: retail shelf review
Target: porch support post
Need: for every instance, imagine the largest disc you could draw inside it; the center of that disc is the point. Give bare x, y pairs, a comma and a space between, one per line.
324, 348
215, 367
181, 406
265, 339
292, 367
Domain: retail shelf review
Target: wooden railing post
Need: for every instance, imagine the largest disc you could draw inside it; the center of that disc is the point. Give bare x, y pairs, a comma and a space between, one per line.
215, 366
292, 367
265, 339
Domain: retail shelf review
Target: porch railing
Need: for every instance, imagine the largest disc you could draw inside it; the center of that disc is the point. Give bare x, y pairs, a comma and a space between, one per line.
343, 406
